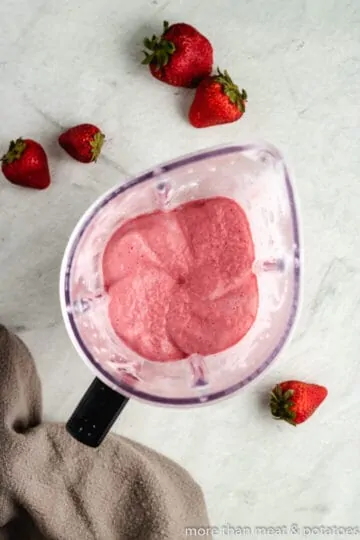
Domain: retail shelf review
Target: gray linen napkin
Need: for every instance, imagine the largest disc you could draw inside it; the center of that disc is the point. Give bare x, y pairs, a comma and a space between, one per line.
54, 488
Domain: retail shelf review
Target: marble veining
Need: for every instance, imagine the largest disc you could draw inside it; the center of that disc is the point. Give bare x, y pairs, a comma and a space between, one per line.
64, 63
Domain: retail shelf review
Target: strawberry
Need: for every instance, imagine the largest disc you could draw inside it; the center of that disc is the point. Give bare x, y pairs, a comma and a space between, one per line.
217, 101
296, 401
26, 164
83, 142
181, 56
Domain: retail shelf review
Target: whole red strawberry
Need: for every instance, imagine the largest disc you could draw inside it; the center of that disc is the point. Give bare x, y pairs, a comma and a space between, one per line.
296, 401
217, 101
26, 164
83, 142
181, 56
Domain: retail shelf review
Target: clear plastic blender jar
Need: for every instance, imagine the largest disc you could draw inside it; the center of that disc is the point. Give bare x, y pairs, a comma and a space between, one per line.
255, 176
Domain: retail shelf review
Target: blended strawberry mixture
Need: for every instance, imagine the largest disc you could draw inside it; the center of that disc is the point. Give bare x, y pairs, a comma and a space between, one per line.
181, 282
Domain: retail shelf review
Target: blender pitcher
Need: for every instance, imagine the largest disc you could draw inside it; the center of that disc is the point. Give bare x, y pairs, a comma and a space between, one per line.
253, 175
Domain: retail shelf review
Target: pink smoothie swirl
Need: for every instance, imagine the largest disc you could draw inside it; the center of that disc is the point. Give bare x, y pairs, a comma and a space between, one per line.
181, 282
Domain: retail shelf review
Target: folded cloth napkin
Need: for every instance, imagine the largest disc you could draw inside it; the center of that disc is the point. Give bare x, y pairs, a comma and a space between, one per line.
54, 488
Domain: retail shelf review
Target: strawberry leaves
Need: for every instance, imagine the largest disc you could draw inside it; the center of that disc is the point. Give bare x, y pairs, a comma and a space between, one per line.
96, 145
16, 150
232, 90
158, 50
281, 405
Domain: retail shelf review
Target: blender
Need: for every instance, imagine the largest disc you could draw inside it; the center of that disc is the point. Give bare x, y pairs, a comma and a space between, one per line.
257, 178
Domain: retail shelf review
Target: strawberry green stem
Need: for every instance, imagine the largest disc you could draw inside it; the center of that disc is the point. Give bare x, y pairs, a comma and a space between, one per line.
281, 405
232, 90
159, 50
96, 145
16, 150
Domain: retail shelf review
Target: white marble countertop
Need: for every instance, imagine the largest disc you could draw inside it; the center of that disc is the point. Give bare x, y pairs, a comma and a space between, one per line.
73, 61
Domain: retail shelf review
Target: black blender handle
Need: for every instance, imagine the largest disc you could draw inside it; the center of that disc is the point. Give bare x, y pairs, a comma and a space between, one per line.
96, 413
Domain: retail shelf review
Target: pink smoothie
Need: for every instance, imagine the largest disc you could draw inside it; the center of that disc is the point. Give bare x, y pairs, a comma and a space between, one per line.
181, 282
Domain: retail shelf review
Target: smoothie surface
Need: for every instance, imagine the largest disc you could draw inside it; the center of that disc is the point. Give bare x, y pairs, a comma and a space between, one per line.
181, 282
